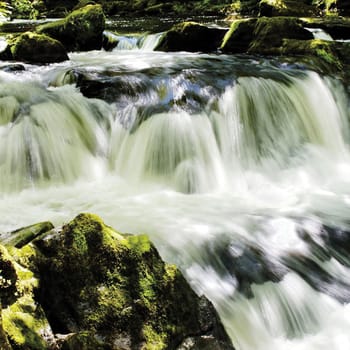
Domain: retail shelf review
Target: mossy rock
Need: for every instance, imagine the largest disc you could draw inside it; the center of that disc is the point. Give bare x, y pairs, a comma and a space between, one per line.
269, 33
23, 321
81, 30
37, 48
114, 291
243, 8
239, 37
263, 35
327, 56
337, 27
192, 37
24, 235
296, 8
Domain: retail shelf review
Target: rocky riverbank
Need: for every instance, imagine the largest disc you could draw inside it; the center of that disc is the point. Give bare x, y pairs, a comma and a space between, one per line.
284, 36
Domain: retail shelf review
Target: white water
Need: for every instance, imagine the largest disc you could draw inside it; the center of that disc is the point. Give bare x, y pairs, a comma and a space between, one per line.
144, 42
265, 156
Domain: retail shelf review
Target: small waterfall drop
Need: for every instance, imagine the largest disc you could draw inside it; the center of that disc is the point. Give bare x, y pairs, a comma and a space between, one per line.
238, 169
48, 136
141, 42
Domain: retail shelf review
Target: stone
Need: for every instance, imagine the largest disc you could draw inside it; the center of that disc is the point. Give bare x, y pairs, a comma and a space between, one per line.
192, 37
295, 8
37, 48
24, 235
81, 30
23, 320
263, 35
85, 286
239, 37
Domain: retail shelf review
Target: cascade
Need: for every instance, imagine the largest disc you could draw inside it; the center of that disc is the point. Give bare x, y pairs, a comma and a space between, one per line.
237, 168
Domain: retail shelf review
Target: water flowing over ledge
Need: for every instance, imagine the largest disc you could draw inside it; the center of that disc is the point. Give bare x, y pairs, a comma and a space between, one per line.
227, 163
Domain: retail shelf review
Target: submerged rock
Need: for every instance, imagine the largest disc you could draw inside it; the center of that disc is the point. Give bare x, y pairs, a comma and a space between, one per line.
100, 289
81, 30
191, 36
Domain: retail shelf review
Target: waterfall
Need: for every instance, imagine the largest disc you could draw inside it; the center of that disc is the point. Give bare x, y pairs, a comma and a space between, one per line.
143, 42
237, 168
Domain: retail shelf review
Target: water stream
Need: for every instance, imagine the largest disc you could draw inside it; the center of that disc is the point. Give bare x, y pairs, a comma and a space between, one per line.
237, 168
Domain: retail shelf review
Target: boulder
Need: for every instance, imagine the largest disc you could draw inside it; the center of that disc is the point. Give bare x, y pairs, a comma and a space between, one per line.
336, 27
326, 55
192, 37
270, 32
239, 37
37, 48
296, 8
100, 289
24, 235
264, 35
81, 30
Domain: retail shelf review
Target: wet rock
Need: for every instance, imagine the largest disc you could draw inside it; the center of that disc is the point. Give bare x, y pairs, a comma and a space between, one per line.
12, 67
264, 35
336, 27
4, 344
317, 277
100, 289
239, 37
81, 30
23, 320
116, 287
246, 263
270, 32
24, 235
37, 48
329, 57
192, 37
295, 8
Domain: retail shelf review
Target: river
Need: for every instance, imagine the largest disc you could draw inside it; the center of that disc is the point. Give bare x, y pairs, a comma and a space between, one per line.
236, 167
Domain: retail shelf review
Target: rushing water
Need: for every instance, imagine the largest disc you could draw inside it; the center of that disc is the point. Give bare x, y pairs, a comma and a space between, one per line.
238, 169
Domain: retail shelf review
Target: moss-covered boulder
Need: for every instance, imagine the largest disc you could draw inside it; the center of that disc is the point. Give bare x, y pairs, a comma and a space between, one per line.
270, 32
264, 35
191, 36
240, 36
81, 30
95, 288
34, 48
325, 56
296, 8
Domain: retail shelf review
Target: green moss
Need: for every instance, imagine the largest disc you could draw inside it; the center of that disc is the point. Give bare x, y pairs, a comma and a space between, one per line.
23, 323
37, 48
154, 339
239, 36
323, 53
81, 30
23, 320
101, 287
